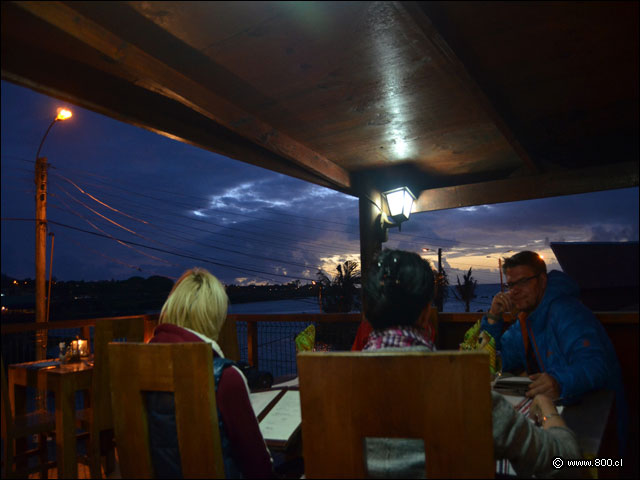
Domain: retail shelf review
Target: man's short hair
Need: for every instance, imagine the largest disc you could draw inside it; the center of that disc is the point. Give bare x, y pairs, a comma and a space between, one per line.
198, 301
527, 258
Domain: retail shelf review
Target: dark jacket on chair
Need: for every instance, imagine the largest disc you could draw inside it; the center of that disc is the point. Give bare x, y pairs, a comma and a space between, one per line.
244, 451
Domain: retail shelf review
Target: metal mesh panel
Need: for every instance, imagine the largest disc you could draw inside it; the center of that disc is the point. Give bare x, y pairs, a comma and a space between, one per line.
241, 329
277, 349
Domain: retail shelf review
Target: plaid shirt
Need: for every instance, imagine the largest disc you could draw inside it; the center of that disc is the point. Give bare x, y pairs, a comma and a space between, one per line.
397, 337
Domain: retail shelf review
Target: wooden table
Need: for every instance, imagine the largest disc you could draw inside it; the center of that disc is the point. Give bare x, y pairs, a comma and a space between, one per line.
64, 381
287, 455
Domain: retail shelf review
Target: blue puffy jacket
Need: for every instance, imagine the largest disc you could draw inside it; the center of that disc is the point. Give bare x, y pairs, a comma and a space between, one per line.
573, 344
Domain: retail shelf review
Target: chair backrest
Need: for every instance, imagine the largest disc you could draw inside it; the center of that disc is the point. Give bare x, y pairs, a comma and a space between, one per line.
107, 330
442, 398
186, 369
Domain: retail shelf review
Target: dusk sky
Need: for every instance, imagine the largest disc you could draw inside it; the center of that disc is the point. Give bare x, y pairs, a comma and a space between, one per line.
184, 207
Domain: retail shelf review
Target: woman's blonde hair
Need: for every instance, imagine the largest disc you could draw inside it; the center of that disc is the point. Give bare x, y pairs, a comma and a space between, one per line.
197, 301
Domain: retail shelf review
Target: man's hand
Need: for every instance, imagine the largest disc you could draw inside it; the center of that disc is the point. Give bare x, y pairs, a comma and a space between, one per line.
543, 384
501, 303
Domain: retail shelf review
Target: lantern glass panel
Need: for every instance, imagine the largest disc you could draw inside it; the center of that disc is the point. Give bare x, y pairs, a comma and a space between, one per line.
395, 200
408, 203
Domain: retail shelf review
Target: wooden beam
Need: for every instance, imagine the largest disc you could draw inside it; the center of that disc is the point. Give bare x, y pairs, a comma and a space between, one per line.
620, 175
112, 96
371, 235
413, 11
149, 73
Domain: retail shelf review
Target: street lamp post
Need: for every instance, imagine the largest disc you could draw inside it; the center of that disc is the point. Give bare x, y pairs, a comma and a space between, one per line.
41, 237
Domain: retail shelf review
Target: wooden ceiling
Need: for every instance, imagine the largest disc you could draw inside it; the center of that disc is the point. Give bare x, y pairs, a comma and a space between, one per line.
467, 103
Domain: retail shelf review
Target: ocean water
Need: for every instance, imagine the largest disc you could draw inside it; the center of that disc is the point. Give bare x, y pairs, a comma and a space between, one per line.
296, 305
482, 302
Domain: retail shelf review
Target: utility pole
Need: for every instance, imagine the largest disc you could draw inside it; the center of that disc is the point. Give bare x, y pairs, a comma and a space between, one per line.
500, 269
41, 237
41, 241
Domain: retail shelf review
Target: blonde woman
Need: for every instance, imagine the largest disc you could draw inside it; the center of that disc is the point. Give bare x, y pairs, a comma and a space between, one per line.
195, 311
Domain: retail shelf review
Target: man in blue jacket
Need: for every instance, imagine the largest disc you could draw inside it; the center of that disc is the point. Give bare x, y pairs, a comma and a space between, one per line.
558, 341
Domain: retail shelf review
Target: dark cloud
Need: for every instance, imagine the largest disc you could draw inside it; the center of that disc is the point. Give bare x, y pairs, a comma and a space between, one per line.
614, 233
244, 223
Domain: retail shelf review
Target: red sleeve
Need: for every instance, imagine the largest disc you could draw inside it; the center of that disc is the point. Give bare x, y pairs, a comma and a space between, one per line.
362, 335
249, 450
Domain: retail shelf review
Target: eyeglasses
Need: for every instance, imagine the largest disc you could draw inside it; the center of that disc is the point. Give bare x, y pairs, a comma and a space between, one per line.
519, 283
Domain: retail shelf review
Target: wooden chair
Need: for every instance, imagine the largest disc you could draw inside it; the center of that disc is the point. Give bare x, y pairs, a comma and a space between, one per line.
186, 369
39, 422
442, 398
98, 419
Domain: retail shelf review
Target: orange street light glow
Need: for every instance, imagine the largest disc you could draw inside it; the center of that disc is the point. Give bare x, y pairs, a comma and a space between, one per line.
63, 114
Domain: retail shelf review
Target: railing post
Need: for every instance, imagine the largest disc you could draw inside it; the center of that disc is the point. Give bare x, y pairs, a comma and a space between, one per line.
86, 335
252, 343
150, 323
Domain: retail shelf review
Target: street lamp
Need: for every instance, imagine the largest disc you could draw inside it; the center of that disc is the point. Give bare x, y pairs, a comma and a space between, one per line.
63, 114
41, 235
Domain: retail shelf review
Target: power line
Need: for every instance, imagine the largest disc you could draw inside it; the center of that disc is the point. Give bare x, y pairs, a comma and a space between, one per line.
101, 202
404, 235
110, 236
228, 212
244, 270
238, 252
261, 240
200, 220
181, 194
129, 246
18, 158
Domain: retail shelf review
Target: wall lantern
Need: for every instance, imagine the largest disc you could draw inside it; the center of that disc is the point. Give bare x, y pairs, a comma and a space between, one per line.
399, 203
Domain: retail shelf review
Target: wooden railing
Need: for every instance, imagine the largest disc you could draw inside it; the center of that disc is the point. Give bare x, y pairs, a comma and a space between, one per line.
151, 320
622, 328
253, 320
84, 324
451, 327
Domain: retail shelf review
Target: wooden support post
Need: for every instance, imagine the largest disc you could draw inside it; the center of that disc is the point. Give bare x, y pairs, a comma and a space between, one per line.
371, 234
441, 285
252, 343
86, 334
